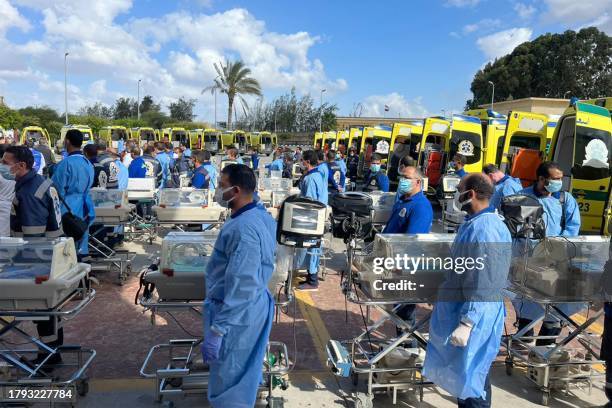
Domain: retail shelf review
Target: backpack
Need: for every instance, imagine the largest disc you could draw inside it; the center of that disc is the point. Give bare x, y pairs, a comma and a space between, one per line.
524, 216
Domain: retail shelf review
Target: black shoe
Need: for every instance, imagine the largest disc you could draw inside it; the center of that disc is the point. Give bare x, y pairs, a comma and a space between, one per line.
308, 286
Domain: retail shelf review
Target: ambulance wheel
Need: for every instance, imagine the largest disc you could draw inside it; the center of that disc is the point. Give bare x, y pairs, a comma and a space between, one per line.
82, 387
355, 378
509, 367
363, 401
545, 398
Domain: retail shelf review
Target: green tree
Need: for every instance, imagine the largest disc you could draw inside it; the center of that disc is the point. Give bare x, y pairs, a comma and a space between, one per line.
9, 118
43, 115
98, 109
125, 108
154, 119
234, 80
148, 104
182, 110
553, 66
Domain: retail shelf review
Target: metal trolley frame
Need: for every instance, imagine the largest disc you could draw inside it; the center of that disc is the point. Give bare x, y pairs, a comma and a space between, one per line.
546, 373
22, 372
185, 373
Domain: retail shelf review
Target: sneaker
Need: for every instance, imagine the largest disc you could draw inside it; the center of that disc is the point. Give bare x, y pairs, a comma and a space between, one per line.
308, 286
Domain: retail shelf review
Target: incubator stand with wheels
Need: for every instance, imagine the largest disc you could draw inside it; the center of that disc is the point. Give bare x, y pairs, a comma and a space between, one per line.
114, 217
382, 208
176, 284
142, 192
564, 277
388, 364
41, 280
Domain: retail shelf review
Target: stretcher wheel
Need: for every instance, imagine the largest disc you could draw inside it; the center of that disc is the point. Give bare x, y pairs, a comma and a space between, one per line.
363, 401
545, 398
82, 387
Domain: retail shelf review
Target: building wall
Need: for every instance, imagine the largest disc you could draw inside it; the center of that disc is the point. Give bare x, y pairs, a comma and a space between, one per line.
547, 106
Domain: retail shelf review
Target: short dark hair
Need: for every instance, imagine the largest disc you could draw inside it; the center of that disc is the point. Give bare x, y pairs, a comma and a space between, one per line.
205, 155
320, 155
150, 149
199, 156
22, 154
311, 157
461, 158
101, 144
544, 168
241, 176
331, 155
169, 145
480, 184
490, 169
377, 156
407, 161
91, 150
75, 137
136, 151
160, 145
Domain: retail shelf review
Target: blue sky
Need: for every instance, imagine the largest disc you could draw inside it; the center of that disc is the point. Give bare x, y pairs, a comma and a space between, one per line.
416, 56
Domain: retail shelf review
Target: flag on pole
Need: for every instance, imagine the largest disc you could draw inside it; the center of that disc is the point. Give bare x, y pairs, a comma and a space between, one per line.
386, 108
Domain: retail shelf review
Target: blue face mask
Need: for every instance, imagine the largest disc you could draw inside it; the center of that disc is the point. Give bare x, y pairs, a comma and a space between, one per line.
375, 168
5, 171
554, 186
338, 157
404, 186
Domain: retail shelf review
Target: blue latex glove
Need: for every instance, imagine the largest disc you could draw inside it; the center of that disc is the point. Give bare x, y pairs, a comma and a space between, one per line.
211, 347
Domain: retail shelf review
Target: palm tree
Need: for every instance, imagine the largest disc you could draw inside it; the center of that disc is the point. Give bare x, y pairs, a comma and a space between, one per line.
234, 80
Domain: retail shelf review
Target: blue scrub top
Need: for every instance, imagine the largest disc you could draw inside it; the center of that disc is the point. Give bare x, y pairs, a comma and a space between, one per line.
553, 210
507, 186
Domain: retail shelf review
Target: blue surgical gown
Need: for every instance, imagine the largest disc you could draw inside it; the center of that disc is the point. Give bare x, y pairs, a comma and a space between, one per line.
507, 186
73, 178
164, 160
239, 305
552, 219
276, 165
123, 176
462, 371
312, 186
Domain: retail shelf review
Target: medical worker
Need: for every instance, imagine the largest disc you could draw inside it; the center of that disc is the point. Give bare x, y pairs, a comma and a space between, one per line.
341, 162
468, 318
123, 173
562, 218
201, 177
406, 161
377, 180
277, 164
39, 159
7, 194
146, 166
164, 161
458, 163
106, 170
254, 158
412, 214
322, 165
232, 155
336, 178
239, 307
352, 164
73, 178
312, 186
35, 213
505, 185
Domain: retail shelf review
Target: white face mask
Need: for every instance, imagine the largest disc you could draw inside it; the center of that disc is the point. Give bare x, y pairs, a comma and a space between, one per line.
222, 201
462, 205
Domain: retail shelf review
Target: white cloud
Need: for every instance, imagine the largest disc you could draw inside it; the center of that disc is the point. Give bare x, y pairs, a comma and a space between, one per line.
107, 57
503, 42
374, 105
525, 11
576, 14
10, 17
462, 3
484, 25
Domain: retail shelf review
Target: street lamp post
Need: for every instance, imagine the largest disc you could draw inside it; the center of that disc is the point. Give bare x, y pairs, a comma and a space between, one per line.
138, 103
66, 86
321, 111
492, 94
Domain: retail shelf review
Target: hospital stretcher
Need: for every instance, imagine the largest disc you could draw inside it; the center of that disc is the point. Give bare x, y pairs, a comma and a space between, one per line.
387, 363
563, 276
177, 285
41, 281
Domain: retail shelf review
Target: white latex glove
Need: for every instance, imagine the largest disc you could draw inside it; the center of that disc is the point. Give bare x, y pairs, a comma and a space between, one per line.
461, 335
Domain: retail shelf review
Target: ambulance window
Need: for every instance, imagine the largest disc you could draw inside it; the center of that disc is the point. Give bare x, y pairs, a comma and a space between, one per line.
500, 149
592, 155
